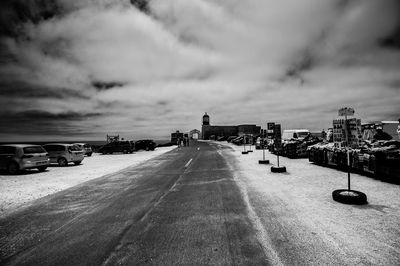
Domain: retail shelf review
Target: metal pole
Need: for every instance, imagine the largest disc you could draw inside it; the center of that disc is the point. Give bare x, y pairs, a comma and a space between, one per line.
263, 152
348, 151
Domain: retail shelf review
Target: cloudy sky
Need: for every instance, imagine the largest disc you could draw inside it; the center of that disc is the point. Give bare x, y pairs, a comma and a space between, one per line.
82, 69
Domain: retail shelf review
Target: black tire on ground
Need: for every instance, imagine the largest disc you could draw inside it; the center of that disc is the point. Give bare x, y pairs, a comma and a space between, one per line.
13, 168
125, 151
263, 161
278, 169
245, 152
62, 162
349, 197
77, 162
42, 168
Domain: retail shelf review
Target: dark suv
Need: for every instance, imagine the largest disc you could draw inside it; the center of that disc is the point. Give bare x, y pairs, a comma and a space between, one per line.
117, 146
145, 144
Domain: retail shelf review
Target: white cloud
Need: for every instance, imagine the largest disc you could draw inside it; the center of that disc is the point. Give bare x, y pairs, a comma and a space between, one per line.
242, 61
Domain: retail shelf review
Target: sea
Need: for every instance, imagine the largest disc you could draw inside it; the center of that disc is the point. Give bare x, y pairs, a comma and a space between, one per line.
93, 143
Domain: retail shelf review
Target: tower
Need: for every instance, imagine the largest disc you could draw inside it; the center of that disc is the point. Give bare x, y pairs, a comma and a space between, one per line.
205, 126
206, 119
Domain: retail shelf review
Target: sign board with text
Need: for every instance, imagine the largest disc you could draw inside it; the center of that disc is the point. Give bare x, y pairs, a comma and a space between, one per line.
270, 129
277, 136
346, 111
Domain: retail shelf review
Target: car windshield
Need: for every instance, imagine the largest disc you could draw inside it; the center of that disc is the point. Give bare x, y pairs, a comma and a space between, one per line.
74, 148
34, 149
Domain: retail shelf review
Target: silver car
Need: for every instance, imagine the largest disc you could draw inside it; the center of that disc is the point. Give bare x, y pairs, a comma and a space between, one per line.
16, 157
86, 148
62, 153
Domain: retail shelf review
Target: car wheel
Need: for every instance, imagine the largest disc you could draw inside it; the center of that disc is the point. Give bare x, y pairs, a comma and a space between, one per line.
78, 162
42, 168
125, 151
13, 168
62, 162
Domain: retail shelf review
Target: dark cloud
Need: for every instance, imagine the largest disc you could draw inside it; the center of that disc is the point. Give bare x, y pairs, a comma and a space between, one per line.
39, 115
15, 12
142, 5
392, 40
21, 90
100, 85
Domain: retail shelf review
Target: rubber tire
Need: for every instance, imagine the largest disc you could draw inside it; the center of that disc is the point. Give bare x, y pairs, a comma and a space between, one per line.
62, 162
263, 161
125, 151
13, 168
78, 162
276, 169
358, 199
42, 168
245, 152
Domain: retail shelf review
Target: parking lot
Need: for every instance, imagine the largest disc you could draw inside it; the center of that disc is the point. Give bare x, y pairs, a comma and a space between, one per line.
19, 190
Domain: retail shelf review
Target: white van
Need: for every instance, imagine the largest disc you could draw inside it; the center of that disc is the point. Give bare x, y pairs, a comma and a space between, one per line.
295, 134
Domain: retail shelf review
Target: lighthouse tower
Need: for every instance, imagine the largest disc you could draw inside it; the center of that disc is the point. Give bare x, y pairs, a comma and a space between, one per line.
206, 119
205, 125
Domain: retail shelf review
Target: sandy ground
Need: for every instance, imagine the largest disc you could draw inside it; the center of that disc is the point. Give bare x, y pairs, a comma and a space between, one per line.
18, 190
302, 201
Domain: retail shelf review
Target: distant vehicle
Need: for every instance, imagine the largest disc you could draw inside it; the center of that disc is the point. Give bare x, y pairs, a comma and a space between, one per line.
16, 157
259, 143
238, 140
117, 146
299, 134
64, 153
222, 138
145, 144
87, 149
230, 138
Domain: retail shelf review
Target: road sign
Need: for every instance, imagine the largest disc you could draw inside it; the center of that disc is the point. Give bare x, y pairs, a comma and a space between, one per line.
346, 111
270, 129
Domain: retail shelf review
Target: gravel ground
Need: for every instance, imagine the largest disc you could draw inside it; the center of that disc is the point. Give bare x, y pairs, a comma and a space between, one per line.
18, 190
297, 207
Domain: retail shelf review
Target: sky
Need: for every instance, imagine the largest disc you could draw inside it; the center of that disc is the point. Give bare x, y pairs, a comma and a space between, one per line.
143, 69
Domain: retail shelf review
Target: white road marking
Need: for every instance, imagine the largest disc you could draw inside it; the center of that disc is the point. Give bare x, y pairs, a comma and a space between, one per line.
187, 164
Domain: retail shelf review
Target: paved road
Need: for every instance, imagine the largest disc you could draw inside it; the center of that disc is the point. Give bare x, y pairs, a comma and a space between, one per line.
181, 208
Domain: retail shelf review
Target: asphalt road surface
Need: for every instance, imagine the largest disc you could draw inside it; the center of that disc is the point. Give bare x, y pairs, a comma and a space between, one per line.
181, 208
196, 206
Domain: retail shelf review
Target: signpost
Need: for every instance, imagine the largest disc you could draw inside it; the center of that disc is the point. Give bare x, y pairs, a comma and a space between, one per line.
244, 145
278, 148
250, 142
342, 195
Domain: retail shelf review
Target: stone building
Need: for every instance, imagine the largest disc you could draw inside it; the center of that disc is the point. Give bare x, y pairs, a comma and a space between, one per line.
208, 131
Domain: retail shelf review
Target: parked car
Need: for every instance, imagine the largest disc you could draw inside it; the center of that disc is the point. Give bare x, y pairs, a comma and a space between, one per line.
86, 148
117, 146
16, 157
230, 138
64, 153
145, 144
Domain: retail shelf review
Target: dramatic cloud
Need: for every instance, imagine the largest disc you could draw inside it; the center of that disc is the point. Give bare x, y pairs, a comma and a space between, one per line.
146, 68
